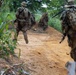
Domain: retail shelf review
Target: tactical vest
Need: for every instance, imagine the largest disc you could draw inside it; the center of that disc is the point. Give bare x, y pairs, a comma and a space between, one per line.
22, 13
69, 18
73, 19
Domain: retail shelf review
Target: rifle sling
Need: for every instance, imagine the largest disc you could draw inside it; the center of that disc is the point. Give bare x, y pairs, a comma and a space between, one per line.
21, 12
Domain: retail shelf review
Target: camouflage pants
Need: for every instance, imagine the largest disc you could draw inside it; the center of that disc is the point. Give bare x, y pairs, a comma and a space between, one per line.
22, 27
72, 44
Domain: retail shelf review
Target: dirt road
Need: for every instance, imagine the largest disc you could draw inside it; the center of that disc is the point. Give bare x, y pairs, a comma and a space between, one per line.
44, 55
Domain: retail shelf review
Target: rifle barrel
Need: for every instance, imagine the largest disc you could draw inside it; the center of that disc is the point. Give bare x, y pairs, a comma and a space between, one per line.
57, 13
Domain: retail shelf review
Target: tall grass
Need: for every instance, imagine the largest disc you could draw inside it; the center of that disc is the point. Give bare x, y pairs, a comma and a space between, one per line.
7, 45
7, 16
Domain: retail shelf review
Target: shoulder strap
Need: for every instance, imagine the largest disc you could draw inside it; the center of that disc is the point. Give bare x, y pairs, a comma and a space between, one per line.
21, 11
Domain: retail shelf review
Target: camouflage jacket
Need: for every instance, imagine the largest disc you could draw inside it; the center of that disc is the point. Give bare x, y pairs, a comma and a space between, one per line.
68, 17
22, 14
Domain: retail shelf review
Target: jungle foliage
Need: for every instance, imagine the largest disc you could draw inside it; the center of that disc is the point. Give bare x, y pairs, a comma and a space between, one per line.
7, 45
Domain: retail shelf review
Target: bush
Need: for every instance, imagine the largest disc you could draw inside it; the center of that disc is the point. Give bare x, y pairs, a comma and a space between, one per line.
7, 45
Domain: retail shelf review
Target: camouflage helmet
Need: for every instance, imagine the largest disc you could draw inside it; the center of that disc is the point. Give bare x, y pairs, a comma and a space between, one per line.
70, 2
23, 4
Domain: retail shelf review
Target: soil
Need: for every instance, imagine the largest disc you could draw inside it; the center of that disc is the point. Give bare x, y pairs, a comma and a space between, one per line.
43, 55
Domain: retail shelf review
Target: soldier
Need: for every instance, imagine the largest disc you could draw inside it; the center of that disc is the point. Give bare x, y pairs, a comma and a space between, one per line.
23, 21
43, 23
68, 19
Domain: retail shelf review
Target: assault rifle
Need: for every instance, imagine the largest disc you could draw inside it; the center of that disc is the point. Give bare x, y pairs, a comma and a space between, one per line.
64, 35
57, 13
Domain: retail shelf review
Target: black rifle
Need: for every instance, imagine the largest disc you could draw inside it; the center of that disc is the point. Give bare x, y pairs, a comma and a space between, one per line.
57, 13
62, 38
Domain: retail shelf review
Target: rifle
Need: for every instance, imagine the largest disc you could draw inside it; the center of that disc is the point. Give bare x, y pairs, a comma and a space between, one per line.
58, 13
64, 35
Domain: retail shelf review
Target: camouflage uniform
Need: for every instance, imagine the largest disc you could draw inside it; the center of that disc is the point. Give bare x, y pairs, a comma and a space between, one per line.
23, 20
43, 23
69, 27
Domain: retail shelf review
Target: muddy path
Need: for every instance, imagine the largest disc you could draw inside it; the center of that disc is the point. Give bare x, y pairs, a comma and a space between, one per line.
44, 55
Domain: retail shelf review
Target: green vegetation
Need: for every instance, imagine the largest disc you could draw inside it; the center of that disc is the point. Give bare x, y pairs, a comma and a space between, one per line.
7, 45
55, 23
